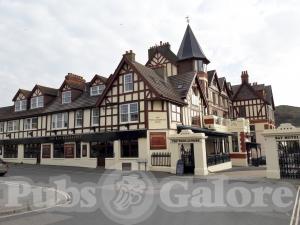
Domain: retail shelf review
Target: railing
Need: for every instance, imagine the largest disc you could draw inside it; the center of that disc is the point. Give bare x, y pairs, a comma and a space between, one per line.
289, 163
217, 159
161, 159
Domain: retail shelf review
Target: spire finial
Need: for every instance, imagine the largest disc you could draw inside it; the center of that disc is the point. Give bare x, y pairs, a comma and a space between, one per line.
187, 19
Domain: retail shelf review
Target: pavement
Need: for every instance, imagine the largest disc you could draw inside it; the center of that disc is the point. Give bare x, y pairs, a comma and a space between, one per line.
40, 175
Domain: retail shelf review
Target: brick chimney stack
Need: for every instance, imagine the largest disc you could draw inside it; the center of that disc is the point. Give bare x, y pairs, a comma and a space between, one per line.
130, 55
245, 77
74, 78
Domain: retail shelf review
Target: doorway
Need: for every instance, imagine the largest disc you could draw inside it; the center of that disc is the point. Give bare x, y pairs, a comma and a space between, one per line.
187, 156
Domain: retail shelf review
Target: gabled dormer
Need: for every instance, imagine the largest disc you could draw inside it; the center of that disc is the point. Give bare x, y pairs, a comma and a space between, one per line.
40, 96
97, 85
72, 87
162, 59
21, 100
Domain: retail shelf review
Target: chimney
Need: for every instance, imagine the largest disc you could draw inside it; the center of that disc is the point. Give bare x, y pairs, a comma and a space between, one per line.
74, 78
130, 55
245, 77
164, 46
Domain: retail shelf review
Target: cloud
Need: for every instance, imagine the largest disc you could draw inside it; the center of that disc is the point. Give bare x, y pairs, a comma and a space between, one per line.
41, 41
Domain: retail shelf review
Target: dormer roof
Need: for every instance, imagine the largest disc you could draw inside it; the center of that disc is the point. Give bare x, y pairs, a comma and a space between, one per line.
26, 93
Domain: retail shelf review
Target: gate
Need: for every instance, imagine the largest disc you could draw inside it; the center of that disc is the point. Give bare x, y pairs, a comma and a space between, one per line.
187, 156
289, 161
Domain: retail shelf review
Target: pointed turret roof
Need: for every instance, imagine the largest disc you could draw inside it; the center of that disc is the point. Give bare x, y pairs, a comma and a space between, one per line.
190, 48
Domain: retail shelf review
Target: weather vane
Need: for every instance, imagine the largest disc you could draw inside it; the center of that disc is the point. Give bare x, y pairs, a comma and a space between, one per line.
187, 19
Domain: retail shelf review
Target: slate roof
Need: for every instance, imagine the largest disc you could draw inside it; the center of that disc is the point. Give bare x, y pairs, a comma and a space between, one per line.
26, 93
182, 83
247, 94
46, 90
165, 50
210, 75
190, 48
83, 101
221, 81
162, 86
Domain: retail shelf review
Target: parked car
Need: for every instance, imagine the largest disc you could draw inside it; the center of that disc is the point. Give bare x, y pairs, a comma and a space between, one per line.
3, 167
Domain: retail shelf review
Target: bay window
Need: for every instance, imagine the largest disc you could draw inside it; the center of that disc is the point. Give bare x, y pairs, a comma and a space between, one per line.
20, 105
128, 82
37, 102
66, 97
129, 112
95, 117
60, 120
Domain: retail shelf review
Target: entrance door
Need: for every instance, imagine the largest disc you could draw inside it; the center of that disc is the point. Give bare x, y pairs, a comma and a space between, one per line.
38, 157
100, 161
187, 156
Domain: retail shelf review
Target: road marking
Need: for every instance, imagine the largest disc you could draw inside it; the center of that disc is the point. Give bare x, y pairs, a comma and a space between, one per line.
64, 194
296, 210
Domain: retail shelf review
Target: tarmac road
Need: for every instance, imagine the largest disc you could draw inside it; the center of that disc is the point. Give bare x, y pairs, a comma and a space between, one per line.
41, 174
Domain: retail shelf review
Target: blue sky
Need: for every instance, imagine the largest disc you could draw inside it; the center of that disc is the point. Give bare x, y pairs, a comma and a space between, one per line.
41, 41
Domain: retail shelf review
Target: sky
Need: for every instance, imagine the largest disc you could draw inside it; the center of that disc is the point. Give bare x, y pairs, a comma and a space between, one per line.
41, 41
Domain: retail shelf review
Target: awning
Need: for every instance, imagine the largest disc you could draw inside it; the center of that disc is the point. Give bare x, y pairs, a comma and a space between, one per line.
207, 132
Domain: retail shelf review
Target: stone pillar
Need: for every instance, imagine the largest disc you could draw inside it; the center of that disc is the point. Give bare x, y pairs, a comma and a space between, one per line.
174, 148
20, 153
272, 160
200, 156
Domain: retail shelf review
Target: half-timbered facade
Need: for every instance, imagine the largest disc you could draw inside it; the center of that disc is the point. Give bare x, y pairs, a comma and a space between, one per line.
130, 119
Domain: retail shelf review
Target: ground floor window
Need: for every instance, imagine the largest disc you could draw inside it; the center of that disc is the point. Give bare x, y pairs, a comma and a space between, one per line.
31, 150
10, 151
69, 150
129, 148
102, 149
58, 150
78, 150
46, 151
84, 150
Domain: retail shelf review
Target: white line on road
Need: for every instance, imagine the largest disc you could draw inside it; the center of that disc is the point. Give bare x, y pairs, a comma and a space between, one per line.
296, 210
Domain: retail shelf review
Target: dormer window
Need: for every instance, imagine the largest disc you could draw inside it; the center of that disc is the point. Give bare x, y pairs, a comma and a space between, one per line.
20, 105
66, 97
128, 82
97, 90
37, 102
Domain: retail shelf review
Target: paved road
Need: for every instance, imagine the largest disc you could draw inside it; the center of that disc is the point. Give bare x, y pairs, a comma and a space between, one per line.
58, 216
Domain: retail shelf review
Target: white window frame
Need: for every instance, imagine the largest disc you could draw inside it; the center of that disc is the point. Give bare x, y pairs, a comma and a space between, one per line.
127, 87
97, 90
28, 123
12, 126
66, 97
126, 109
20, 105
77, 118
37, 102
95, 116
60, 121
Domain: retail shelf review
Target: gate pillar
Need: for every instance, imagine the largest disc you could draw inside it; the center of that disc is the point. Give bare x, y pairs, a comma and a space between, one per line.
272, 159
200, 156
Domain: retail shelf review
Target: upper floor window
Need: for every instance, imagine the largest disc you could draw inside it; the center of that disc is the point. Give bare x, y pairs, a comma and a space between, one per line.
12, 125
97, 90
37, 102
31, 123
66, 97
20, 105
95, 117
79, 118
195, 98
60, 120
128, 82
129, 112
175, 113
1, 127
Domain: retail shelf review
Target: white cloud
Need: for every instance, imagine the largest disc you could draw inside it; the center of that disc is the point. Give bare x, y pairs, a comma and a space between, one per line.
41, 41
